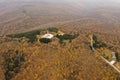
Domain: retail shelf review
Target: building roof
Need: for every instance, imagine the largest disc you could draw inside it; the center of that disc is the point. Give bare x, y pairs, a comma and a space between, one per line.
112, 62
49, 36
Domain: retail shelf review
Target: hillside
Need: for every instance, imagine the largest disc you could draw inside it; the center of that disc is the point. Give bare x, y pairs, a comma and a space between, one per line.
59, 40
54, 61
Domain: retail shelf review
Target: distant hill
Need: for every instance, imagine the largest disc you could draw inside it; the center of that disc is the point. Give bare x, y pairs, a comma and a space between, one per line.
19, 16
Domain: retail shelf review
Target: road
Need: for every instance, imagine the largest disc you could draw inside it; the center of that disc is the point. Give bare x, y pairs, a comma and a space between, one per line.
110, 64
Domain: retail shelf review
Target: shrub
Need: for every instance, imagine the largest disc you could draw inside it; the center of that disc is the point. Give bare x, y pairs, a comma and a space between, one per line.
95, 38
108, 56
117, 56
53, 29
45, 40
66, 37
97, 43
12, 63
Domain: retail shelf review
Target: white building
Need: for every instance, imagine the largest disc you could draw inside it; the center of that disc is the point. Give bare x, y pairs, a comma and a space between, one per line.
112, 62
49, 36
113, 58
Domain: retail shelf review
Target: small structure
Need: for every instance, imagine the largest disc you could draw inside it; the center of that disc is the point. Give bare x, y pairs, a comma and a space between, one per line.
48, 36
60, 33
112, 62
113, 58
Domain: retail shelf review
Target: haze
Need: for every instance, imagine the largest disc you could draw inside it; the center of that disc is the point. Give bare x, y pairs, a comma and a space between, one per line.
19, 15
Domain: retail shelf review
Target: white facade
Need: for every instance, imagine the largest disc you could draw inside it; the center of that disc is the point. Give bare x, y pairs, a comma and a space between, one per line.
113, 54
49, 36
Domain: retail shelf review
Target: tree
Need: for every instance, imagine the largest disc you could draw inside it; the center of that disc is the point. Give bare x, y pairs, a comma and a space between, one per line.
53, 29
117, 56
45, 40
12, 63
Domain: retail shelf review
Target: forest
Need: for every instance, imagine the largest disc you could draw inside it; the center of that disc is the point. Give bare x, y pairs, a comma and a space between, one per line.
73, 61
82, 42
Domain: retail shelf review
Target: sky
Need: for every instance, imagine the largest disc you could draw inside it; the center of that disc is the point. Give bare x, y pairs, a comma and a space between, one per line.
93, 2
115, 1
